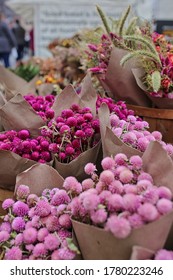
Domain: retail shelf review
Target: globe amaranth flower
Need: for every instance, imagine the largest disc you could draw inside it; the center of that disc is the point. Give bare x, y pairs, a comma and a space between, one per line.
22, 191
4, 236
39, 250
18, 224
30, 235
42, 208
90, 168
7, 203
14, 253
51, 242
119, 227
20, 208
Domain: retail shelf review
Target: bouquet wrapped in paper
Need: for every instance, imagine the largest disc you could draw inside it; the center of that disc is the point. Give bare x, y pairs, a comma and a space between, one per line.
126, 205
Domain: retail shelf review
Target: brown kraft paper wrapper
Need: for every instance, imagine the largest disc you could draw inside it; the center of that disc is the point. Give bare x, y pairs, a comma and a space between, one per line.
17, 114
14, 82
39, 177
111, 144
159, 102
140, 253
121, 83
96, 243
68, 96
11, 165
76, 167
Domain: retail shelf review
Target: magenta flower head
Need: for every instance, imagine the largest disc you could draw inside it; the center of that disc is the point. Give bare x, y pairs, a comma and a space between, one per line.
65, 221
42, 233
136, 162
4, 236
108, 163
51, 242
20, 208
107, 177
91, 202
120, 227
66, 254
116, 187
163, 254
164, 192
164, 206
131, 202
42, 208
30, 235
90, 168
22, 191
18, 224
14, 253
7, 203
18, 239
52, 223
23, 134
99, 216
148, 212
39, 250
5, 226
135, 220
32, 200
87, 184
126, 176
60, 197
120, 159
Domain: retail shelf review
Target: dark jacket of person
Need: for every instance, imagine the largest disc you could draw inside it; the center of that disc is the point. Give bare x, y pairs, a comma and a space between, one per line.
7, 39
19, 33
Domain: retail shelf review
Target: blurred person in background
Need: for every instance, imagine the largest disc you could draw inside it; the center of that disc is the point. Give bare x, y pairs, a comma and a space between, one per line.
19, 33
7, 41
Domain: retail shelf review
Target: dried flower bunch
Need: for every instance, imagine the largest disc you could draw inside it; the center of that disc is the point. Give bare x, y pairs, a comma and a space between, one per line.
121, 199
37, 227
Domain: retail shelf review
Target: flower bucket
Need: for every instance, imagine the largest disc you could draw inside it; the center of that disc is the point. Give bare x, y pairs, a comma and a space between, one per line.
158, 119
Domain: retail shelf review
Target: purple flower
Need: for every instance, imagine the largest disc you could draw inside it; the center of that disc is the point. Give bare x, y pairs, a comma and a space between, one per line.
148, 212
22, 191
20, 208
120, 159
90, 168
39, 250
164, 206
120, 227
66, 254
136, 162
60, 197
51, 242
108, 163
5, 226
135, 220
65, 221
30, 235
107, 177
14, 253
4, 236
163, 254
42, 208
91, 202
42, 233
115, 203
126, 176
99, 216
52, 223
18, 224
7, 203
164, 192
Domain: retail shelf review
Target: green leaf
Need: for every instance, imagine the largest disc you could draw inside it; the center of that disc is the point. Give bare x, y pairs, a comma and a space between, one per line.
104, 19
72, 246
123, 20
156, 80
139, 53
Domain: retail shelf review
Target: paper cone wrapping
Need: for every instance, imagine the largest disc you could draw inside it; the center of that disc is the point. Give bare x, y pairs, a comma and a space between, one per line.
17, 114
14, 82
98, 244
121, 83
111, 144
76, 167
11, 165
159, 102
39, 177
68, 96
140, 253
